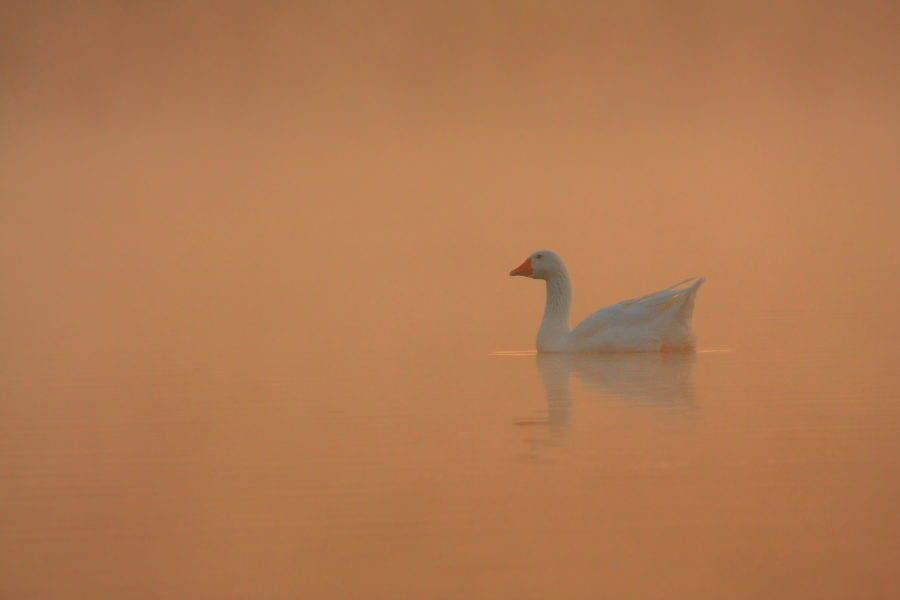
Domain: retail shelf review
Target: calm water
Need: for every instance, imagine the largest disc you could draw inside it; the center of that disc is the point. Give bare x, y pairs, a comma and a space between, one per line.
276, 353
759, 471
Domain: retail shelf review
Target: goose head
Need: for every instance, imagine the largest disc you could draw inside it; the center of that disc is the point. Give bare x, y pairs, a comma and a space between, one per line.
542, 264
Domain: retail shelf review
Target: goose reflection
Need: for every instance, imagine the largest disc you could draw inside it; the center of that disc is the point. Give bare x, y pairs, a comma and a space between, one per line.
649, 379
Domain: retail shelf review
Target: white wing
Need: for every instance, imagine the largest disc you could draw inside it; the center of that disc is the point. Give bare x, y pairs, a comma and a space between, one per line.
634, 314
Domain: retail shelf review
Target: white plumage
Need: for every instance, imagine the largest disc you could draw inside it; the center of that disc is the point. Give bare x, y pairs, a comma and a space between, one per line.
655, 322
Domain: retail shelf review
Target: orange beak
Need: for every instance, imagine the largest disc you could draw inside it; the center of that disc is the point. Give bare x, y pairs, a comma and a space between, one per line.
524, 269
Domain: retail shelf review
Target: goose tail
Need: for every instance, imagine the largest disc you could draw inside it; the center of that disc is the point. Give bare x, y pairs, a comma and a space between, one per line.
686, 307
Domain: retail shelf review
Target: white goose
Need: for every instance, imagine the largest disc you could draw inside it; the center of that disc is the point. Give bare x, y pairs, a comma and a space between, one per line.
656, 322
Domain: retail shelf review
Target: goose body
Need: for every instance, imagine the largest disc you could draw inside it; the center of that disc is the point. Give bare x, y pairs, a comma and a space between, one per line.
653, 323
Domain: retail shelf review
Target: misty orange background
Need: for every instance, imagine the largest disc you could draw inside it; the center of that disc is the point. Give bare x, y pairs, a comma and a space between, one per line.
226, 194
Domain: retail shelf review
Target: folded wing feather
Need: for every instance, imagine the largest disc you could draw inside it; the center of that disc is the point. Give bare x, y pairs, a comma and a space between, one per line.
633, 313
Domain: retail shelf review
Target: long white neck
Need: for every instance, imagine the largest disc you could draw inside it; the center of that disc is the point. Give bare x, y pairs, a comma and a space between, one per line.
554, 332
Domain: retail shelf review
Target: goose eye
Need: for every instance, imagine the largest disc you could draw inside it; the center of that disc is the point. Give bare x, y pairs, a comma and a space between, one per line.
539, 256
